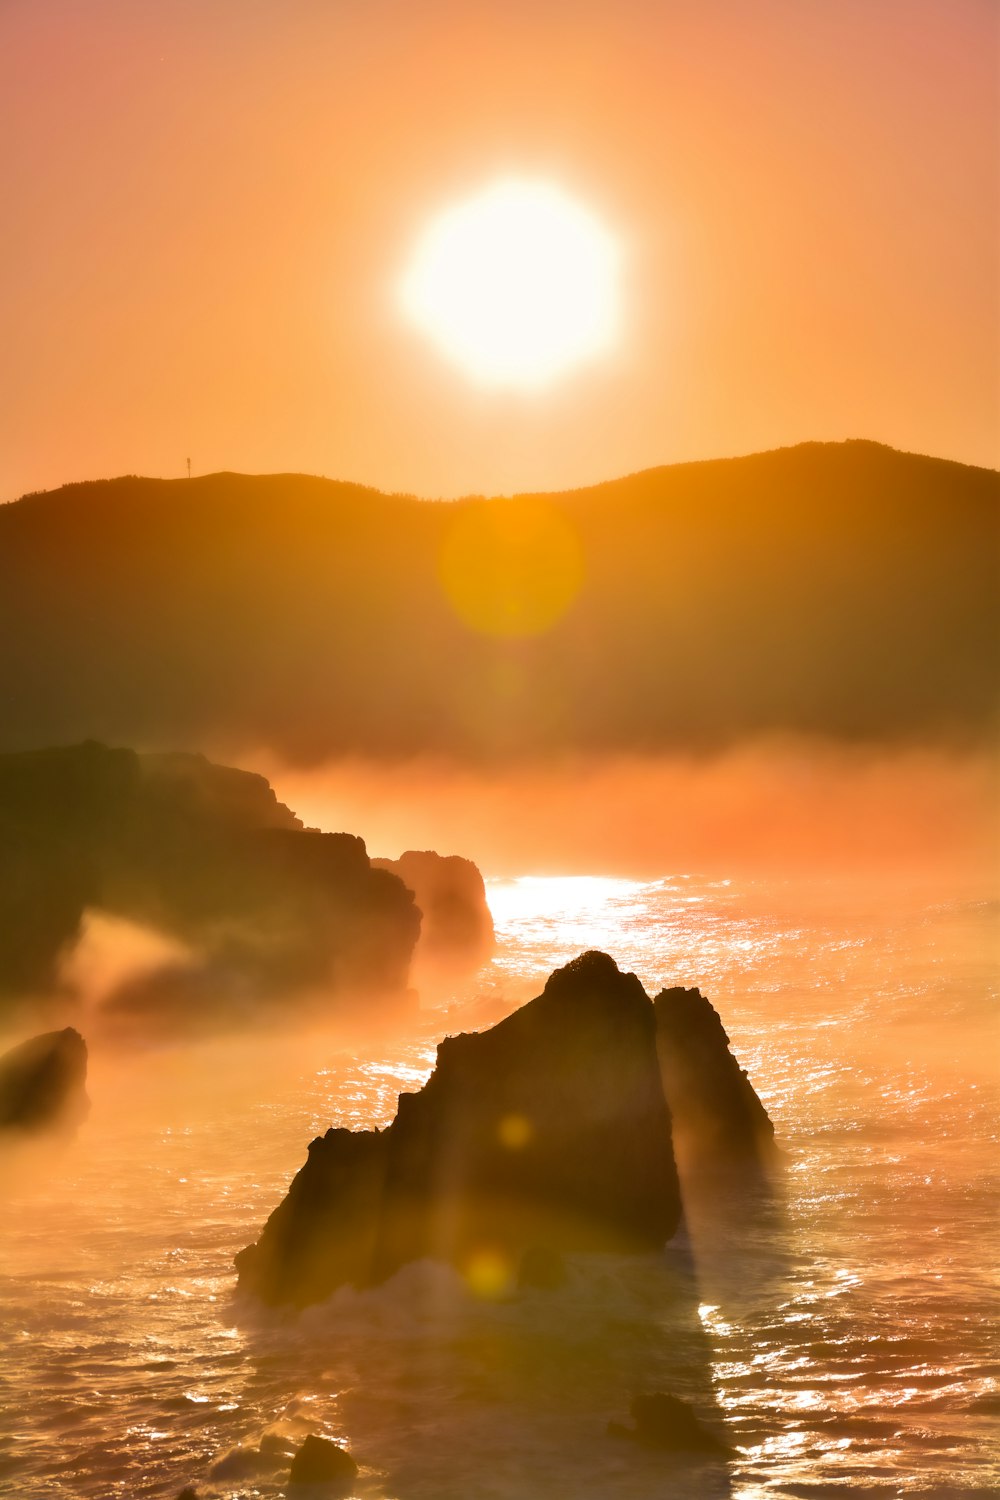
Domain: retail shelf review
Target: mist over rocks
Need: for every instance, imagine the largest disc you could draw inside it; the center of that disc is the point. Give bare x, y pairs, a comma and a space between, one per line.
261, 910
43, 1084
720, 1127
548, 1132
456, 929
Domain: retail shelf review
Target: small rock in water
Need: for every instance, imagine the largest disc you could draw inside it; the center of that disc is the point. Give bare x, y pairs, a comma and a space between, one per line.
319, 1461
541, 1267
664, 1421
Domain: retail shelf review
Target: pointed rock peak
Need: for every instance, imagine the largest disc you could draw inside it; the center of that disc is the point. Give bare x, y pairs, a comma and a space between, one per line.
591, 965
689, 1012
718, 1119
591, 971
43, 1082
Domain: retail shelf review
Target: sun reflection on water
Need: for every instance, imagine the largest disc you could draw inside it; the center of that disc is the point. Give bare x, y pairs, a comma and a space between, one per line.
848, 1346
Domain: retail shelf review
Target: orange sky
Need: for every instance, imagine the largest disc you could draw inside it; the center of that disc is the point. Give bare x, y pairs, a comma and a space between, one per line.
207, 204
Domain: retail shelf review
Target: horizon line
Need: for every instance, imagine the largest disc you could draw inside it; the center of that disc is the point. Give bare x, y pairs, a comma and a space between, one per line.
591, 485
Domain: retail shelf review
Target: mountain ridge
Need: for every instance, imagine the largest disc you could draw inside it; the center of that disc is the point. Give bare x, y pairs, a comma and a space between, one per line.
362, 489
845, 590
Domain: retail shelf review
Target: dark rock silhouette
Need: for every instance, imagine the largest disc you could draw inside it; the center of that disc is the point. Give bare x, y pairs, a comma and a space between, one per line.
841, 589
319, 1461
548, 1132
206, 855
719, 1124
456, 929
43, 1083
664, 1421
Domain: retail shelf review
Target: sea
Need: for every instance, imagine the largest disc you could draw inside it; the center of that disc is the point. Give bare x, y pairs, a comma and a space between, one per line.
843, 1338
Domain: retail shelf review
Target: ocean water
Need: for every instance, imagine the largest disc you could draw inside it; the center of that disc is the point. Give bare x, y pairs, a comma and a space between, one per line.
842, 1338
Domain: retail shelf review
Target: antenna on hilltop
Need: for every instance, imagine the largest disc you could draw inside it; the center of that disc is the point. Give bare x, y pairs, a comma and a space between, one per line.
189, 468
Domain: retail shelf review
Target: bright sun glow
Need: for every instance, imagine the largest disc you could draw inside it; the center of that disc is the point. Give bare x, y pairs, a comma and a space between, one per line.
517, 284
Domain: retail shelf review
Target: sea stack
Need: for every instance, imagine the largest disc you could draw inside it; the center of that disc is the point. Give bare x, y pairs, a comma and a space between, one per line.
720, 1127
456, 930
42, 1084
548, 1132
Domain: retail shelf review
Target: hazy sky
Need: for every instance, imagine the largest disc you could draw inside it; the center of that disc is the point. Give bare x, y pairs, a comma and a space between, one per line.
208, 204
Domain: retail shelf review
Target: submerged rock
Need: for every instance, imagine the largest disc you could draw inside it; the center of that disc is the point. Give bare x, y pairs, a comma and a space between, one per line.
719, 1123
319, 1461
457, 926
43, 1083
550, 1132
664, 1421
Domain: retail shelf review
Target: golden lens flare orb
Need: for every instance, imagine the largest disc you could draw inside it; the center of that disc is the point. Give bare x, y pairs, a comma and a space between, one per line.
489, 1273
515, 1131
517, 285
510, 568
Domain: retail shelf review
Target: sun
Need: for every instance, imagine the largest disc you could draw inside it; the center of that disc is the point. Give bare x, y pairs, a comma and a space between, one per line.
517, 285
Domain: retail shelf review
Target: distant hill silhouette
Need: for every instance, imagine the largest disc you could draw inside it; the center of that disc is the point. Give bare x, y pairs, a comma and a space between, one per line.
841, 589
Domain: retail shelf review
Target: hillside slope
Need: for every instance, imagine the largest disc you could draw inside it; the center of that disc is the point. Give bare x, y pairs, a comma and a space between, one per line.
841, 589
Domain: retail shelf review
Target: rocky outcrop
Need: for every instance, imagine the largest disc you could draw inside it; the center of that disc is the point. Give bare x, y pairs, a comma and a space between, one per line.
261, 909
43, 1083
456, 930
548, 1132
719, 1124
319, 1461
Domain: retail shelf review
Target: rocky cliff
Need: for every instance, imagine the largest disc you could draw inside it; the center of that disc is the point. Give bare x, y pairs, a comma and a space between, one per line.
456, 930
261, 910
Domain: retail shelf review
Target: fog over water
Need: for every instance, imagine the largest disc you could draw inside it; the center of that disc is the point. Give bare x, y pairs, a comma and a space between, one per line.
844, 1339
774, 805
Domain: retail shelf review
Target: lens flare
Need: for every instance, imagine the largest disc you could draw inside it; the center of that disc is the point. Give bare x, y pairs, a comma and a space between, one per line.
511, 567
515, 1131
489, 1274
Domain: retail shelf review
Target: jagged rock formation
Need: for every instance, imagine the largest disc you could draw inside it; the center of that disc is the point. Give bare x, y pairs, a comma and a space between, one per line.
548, 1132
719, 1124
456, 929
204, 854
43, 1083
